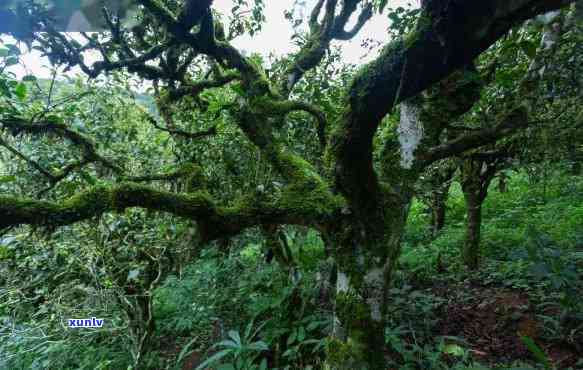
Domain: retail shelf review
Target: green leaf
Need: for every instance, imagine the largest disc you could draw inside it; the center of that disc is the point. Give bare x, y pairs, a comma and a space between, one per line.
214, 358
259, 346
536, 351
528, 48
227, 343
186, 350
5, 179
301, 333
226, 367
382, 5
10, 61
263, 365
292, 338
29, 78
235, 336
454, 350
3, 51
20, 91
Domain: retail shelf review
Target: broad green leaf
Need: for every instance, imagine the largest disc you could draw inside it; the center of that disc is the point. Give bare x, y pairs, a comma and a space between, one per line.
10, 61
536, 351
263, 365
292, 338
214, 358
235, 336
20, 91
453, 349
186, 350
259, 346
227, 343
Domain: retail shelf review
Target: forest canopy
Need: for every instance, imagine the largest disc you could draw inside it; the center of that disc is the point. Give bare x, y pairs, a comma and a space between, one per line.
233, 210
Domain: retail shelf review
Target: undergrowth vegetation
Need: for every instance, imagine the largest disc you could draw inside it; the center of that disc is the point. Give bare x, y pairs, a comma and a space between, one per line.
235, 309
183, 204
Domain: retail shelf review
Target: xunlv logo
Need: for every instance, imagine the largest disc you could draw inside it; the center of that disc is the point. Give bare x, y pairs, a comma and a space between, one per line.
86, 323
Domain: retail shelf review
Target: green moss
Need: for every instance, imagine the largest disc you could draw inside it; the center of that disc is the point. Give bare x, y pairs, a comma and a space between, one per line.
346, 355
363, 347
423, 23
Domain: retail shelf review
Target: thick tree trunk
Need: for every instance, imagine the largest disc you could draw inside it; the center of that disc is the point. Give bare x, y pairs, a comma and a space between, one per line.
359, 308
365, 265
471, 247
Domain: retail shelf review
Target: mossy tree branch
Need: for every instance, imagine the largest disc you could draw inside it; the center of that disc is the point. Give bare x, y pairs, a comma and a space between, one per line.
294, 206
449, 36
321, 34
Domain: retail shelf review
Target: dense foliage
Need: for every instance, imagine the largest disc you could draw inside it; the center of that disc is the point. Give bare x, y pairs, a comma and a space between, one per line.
229, 211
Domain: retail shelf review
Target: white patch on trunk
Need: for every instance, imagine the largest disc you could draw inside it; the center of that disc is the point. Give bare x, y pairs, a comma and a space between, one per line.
551, 33
342, 286
550, 37
375, 282
410, 133
551, 30
342, 282
548, 17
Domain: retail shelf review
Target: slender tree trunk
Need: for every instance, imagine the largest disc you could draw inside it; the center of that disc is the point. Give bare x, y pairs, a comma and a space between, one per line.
502, 183
438, 209
471, 247
575, 159
476, 178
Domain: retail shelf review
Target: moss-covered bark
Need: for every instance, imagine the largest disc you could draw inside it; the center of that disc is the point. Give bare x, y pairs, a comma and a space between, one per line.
365, 256
301, 204
471, 246
476, 176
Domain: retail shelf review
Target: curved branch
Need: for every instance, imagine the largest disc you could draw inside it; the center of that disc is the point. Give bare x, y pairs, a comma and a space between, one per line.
189, 135
31, 162
17, 126
332, 27
294, 206
294, 106
446, 38
510, 124
197, 87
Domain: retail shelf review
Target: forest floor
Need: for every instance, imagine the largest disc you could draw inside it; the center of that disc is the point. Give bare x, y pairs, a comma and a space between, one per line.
492, 321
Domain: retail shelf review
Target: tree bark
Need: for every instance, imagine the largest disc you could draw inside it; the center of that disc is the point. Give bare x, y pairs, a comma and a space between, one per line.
476, 178
471, 247
438, 209
365, 265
